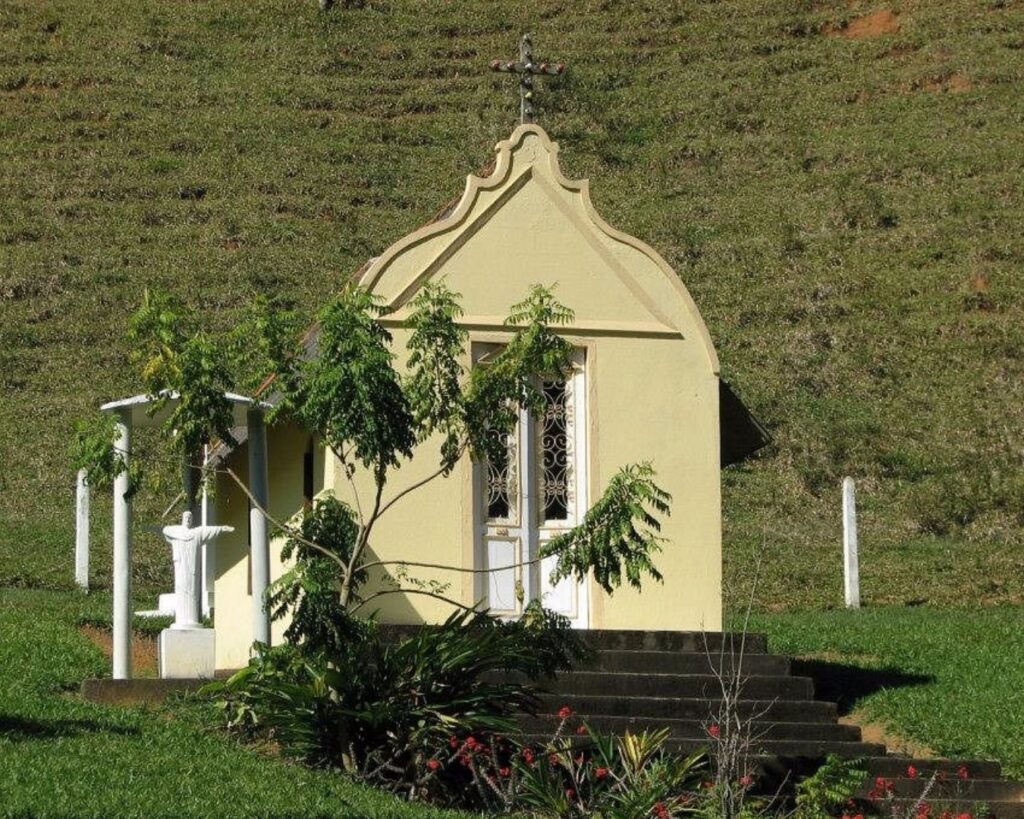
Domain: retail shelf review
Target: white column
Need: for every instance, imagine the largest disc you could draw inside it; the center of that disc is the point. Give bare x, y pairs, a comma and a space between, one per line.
190, 476
259, 541
82, 531
206, 518
851, 565
123, 556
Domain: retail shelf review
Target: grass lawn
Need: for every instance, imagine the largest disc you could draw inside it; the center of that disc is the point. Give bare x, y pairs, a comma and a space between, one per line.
63, 757
951, 679
948, 679
845, 210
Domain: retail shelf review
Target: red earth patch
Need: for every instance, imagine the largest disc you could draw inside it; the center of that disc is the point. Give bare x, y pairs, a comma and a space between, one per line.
876, 24
946, 83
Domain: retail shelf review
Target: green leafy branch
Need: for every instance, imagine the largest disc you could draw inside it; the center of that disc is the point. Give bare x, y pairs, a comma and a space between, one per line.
618, 535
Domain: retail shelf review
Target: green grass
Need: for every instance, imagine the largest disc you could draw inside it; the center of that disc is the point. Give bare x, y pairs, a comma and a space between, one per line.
62, 757
846, 216
949, 679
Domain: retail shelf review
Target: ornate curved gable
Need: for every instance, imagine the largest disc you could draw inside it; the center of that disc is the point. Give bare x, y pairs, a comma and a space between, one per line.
525, 224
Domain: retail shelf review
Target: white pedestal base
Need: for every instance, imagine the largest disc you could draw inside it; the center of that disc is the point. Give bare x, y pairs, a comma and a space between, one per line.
164, 607
187, 653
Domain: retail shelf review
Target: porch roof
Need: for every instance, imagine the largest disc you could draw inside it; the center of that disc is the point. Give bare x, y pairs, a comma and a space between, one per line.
137, 409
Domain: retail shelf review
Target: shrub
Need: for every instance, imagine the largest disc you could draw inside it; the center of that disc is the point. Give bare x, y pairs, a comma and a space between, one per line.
381, 708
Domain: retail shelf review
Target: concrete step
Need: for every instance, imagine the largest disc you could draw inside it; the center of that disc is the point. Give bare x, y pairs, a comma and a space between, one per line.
896, 766
689, 708
687, 662
693, 641
693, 728
632, 640
816, 749
997, 809
705, 686
953, 790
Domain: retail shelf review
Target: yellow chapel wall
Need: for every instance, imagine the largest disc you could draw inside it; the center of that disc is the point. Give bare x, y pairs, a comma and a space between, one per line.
648, 400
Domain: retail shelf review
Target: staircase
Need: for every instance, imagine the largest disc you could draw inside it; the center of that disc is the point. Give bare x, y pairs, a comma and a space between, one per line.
639, 680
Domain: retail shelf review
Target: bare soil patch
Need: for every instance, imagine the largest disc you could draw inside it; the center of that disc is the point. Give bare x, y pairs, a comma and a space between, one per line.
877, 732
144, 649
945, 84
876, 24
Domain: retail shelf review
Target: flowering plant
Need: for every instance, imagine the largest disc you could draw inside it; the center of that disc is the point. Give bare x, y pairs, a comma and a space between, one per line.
581, 772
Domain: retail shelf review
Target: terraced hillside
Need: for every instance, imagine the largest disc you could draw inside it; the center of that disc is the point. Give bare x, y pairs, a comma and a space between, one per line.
839, 185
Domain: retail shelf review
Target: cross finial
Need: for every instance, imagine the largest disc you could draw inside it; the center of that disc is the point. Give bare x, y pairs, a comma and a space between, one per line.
526, 68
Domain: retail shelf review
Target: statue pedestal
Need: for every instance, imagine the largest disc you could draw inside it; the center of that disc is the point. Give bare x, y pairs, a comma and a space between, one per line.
187, 653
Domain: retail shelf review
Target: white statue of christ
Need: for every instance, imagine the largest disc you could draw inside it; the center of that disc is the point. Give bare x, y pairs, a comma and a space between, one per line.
186, 543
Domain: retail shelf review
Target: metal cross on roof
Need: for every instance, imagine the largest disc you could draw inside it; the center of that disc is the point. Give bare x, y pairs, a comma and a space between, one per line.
526, 68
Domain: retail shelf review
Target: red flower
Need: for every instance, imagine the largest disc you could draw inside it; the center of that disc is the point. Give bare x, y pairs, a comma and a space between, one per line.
746, 780
433, 764
965, 815
570, 793
453, 741
528, 755
924, 811
963, 773
565, 712
506, 772
581, 730
471, 743
946, 814
911, 772
554, 760
600, 773
660, 811
714, 731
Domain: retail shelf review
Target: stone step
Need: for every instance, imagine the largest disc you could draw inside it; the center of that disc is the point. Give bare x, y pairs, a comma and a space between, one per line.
692, 641
677, 685
633, 640
812, 749
953, 790
687, 662
781, 710
896, 766
997, 809
692, 728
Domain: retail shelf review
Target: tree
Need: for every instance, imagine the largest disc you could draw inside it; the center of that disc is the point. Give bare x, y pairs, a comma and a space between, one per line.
372, 417
342, 384
338, 691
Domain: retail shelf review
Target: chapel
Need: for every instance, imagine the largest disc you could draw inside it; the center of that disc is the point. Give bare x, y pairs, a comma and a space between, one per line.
645, 386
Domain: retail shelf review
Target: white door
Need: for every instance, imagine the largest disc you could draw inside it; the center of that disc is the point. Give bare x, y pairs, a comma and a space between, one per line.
536, 492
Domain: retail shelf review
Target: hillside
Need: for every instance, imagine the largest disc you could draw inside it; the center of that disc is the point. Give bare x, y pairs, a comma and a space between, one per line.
839, 185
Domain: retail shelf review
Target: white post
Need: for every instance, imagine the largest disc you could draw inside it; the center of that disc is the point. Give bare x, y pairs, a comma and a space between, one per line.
206, 519
123, 557
259, 541
851, 565
82, 531
190, 475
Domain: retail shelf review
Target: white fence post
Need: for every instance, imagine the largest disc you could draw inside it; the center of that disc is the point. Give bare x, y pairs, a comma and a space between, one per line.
851, 565
82, 531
